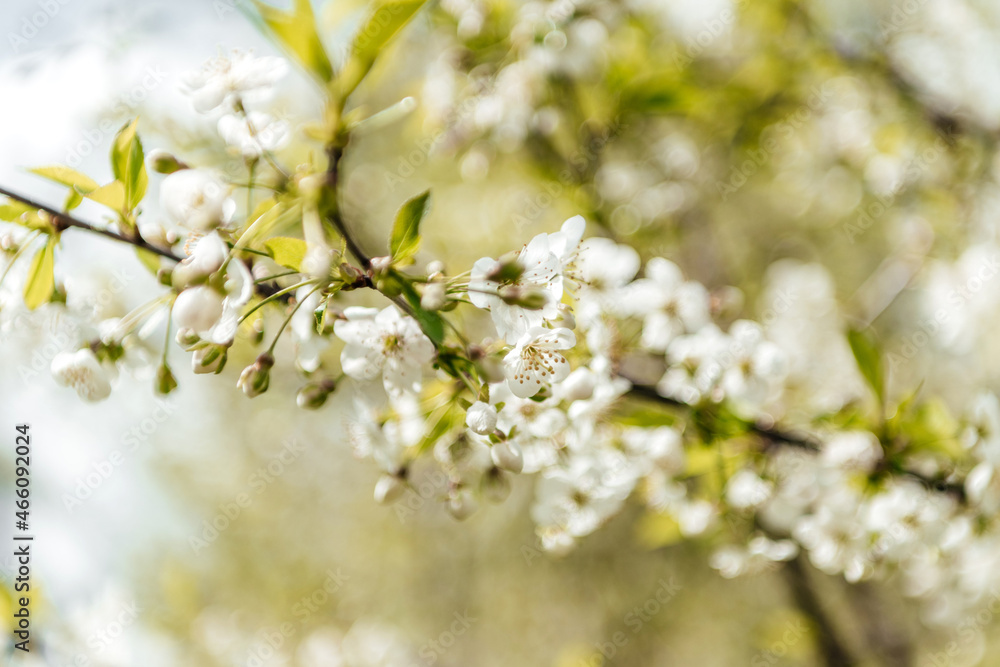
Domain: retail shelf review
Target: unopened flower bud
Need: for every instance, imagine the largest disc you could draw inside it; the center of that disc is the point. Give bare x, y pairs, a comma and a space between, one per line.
495, 485
256, 377
186, 337
312, 184
314, 394
481, 418
197, 308
381, 264
163, 162
530, 298
433, 297
461, 503
209, 359
506, 270
388, 488
349, 274
435, 268
165, 380
508, 456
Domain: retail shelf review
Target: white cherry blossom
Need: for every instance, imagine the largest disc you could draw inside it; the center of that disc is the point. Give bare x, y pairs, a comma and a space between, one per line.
539, 273
196, 199
536, 362
225, 80
82, 371
254, 134
385, 343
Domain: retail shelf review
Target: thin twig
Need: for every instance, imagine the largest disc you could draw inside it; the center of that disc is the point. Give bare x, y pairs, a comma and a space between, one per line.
64, 221
832, 647
779, 436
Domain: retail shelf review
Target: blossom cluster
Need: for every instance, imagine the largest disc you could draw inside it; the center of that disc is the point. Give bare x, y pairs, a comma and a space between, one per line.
601, 374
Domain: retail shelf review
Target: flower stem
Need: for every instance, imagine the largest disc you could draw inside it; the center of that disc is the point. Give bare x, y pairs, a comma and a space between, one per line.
295, 309
276, 295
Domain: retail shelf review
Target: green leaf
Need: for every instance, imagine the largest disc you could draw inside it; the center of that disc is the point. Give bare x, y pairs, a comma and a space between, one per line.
12, 211
869, 358
73, 199
287, 252
405, 239
149, 259
430, 322
66, 176
41, 276
128, 163
111, 195
296, 32
387, 17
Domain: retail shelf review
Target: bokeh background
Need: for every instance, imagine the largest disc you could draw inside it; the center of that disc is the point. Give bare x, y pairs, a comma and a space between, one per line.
896, 104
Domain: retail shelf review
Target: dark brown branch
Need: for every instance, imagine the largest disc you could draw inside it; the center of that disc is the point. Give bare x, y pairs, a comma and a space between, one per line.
778, 436
833, 649
335, 153
63, 221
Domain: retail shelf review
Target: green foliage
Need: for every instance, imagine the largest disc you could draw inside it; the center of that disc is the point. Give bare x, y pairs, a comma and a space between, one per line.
40, 282
67, 176
287, 252
13, 211
386, 18
111, 195
405, 239
128, 164
868, 355
149, 260
430, 322
295, 31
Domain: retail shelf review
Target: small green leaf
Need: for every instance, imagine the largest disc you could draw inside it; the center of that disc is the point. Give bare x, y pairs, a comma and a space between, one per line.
67, 176
120, 149
73, 199
287, 252
405, 239
296, 32
41, 276
128, 163
12, 211
430, 322
869, 358
386, 18
111, 195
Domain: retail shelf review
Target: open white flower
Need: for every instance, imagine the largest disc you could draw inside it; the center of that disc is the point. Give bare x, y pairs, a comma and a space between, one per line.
565, 244
852, 450
671, 306
597, 263
83, 372
222, 81
384, 342
695, 366
540, 274
206, 257
580, 497
753, 365
254, 134
535, 362
196, 199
